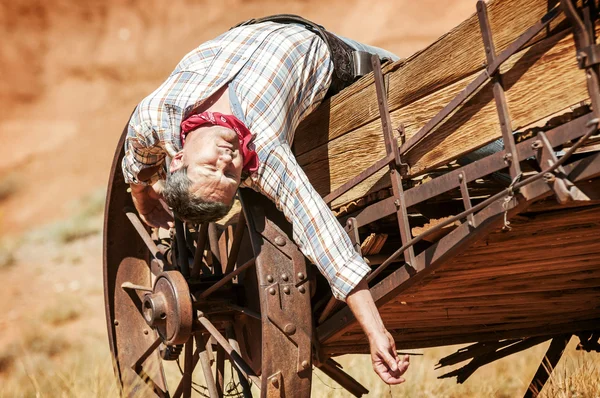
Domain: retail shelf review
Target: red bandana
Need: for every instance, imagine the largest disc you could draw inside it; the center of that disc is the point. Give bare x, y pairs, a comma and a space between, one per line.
230, 122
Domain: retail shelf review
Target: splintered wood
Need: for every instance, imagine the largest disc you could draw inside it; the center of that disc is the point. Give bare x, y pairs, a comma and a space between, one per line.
343, 137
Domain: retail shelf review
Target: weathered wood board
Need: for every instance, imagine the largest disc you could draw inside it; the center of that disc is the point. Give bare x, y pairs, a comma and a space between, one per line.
343, 136
542, 276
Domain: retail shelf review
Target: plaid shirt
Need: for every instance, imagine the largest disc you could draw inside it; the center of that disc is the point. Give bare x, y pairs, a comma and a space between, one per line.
279, 73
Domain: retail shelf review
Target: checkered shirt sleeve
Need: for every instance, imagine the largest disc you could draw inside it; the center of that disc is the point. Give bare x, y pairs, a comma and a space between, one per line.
295, 73
316, 231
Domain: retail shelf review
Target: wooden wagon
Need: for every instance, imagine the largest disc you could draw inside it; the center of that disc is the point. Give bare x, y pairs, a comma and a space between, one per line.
497, 249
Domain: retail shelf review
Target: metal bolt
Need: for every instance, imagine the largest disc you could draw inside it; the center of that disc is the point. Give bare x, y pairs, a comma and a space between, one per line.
286, 290
397, 202
269, 278
274, 382
279, 241
116, 322
272, 291
284, 277
289, 329
507, 157
300, 276
301, 289
145, 331
537, 144
305, 364
549, 177
461, 177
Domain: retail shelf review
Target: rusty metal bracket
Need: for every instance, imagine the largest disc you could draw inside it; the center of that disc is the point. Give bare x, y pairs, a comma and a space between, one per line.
588, 56
287, 326
464, 191
391, 147
565, 190
352, 230
284, 295
510, 150
585, 43
275, 385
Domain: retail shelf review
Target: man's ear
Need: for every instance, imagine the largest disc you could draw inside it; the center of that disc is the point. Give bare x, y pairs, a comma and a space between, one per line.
177, 162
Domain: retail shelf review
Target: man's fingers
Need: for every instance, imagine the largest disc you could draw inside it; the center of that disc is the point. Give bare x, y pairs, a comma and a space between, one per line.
390, 361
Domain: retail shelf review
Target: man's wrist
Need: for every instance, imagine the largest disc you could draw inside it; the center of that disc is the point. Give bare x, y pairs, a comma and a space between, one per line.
364, 309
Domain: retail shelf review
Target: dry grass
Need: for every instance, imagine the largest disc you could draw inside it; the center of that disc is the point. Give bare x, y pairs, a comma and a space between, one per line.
65, 309
61, 349
46, 365
577, 375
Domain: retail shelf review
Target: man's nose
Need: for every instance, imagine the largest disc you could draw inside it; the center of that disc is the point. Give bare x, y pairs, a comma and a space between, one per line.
226, 156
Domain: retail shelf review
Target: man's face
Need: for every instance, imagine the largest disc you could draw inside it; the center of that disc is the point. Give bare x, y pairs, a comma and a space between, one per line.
214, 162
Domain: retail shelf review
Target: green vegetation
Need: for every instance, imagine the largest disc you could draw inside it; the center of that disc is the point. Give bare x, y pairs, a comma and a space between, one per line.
86, 221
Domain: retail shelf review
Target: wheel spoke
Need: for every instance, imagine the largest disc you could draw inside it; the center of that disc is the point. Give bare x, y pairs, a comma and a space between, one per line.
213, 244
188, 368
195, 357
137, 365
141, 230
131, 286
245, 311
241, 375
148, 380
220, 371
200, 246
237, 243
182, 250
225, 279
213, 390
237, 360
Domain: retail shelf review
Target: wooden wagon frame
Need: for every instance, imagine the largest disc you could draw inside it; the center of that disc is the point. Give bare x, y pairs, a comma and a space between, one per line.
505, 269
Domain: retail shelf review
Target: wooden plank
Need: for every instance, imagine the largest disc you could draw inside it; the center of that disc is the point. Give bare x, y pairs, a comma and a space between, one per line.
523, 286
540, 81
453, 56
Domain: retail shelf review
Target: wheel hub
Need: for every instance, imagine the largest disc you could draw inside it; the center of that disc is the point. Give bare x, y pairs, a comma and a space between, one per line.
168, 309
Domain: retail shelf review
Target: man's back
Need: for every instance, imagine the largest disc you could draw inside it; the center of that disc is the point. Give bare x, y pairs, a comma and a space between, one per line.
277, 73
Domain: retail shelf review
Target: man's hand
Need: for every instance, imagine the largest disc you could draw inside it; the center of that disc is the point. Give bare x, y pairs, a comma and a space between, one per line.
386, 362
147, 202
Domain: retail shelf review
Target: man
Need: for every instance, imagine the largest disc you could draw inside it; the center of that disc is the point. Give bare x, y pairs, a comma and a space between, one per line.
226, 116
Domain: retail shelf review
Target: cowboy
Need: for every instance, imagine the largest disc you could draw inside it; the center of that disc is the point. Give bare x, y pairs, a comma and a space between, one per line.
226, 117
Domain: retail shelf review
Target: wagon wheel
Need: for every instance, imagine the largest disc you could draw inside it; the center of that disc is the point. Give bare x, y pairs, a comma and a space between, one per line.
164, 301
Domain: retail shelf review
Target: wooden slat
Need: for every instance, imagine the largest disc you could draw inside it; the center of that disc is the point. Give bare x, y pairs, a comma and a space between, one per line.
540, 81
544, 273
453, 56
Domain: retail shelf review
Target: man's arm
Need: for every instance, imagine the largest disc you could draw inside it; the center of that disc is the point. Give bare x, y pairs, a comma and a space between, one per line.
321, 238
386, 363
142, 169
147, 201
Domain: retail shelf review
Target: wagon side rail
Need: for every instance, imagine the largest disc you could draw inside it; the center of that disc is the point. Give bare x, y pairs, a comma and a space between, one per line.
556, 176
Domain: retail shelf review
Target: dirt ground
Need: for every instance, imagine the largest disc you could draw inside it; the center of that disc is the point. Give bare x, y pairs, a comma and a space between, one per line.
72, 71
